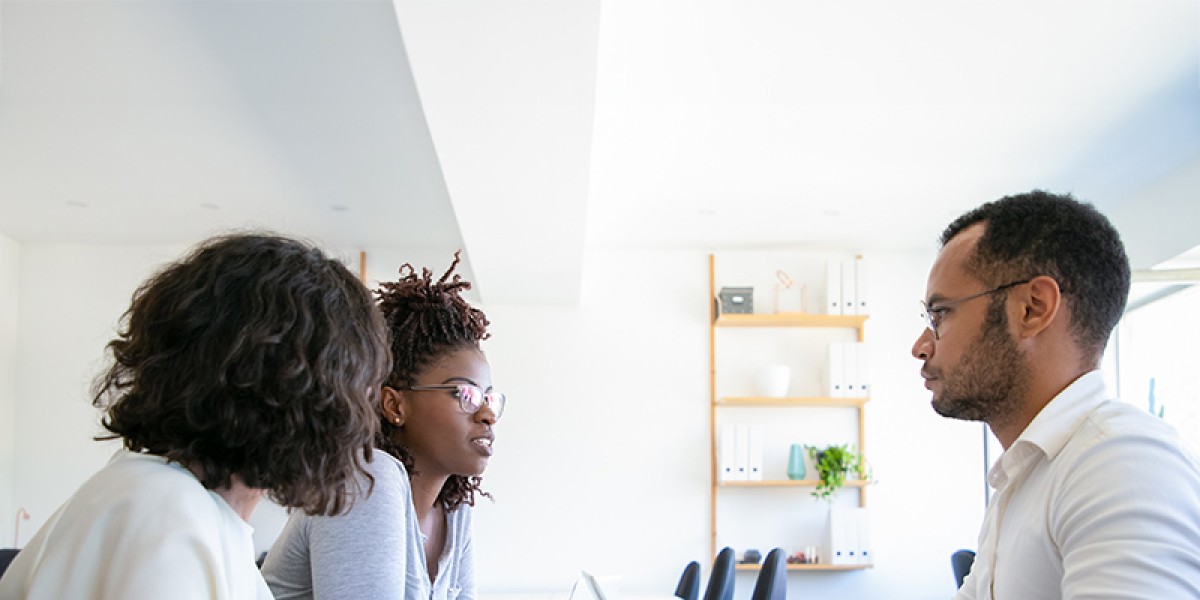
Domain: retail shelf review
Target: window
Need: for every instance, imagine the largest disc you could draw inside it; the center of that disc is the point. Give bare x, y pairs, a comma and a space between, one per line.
1156, 348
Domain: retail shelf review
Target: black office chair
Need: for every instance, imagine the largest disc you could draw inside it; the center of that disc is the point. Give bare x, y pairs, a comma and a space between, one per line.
720, 582
772, 579
689, 582
961, 562
6, 556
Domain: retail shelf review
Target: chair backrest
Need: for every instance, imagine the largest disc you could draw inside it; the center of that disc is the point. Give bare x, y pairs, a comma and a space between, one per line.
772, 579
6, 556
689, 582
720, 582
961, 562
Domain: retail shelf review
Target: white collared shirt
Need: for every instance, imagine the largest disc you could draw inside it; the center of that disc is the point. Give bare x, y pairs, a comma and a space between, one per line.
141, 527
1095, 499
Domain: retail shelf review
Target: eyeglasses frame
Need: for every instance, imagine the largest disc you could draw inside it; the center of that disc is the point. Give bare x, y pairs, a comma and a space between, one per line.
488, 397
928, 309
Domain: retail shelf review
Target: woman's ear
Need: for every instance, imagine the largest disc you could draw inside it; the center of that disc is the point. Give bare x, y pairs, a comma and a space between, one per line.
392, 404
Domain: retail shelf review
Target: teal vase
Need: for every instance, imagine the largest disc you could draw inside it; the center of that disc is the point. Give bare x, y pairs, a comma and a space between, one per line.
795, 468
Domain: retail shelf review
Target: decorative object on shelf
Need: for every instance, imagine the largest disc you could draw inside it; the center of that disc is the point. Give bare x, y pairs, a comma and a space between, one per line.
737, 300
795, 467
789, 297
808, 556
751, 557
773, 381
833, 463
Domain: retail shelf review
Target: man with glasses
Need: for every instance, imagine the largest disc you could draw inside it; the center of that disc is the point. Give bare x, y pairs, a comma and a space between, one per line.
1092, 496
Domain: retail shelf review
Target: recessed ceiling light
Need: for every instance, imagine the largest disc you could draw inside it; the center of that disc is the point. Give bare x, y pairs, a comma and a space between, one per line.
210, 206
831, 212
340, 208
77, 203
707, 212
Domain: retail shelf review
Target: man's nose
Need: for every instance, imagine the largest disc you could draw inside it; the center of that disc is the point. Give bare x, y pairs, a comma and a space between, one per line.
923, 348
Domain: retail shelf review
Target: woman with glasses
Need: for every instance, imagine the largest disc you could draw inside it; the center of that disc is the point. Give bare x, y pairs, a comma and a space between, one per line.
411, 537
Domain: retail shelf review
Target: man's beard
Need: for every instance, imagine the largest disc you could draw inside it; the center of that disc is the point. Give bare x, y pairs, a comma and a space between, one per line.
989, 382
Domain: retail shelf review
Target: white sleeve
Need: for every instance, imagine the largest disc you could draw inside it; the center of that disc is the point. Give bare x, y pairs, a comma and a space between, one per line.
1127, 521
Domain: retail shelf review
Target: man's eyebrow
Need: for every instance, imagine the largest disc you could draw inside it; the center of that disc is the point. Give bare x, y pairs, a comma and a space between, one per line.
934, 299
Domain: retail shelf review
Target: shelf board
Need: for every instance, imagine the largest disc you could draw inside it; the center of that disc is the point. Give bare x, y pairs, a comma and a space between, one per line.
790, 320
857, 483
804, 567
795, 401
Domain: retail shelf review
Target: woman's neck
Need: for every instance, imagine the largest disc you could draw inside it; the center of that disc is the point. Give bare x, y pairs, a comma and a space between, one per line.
425, 491
241, 497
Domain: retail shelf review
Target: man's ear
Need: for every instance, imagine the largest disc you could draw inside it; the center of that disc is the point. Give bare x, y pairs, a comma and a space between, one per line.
392, 403
1041, 304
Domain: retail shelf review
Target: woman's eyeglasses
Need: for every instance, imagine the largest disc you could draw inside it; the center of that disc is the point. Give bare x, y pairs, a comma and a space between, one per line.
471, 398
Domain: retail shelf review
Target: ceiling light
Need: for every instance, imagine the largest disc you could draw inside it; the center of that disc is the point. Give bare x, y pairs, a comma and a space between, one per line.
210, 206
340, 208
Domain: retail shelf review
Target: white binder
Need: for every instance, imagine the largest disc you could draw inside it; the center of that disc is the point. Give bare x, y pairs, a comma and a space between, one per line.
741, 453
863, 536
833, 287
754, 472
862, 305
727, 470
842, 537
862, 369
836, 375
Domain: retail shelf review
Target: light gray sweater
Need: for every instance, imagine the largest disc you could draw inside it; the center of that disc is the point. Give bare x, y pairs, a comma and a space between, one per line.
376, 550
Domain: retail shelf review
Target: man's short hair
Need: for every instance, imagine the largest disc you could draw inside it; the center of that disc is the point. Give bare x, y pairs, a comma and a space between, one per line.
1040, 233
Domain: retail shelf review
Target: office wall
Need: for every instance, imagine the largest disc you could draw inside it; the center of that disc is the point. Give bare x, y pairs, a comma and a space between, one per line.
602, 458
71, 298
9, 252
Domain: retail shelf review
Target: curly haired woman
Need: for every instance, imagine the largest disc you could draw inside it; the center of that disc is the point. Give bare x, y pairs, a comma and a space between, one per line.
411, 538
250, 366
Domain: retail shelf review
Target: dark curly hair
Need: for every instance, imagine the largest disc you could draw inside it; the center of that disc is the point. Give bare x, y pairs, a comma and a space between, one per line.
257, 356
1040, 233
428, 319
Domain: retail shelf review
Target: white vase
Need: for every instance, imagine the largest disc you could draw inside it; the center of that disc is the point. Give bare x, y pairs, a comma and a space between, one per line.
773, 381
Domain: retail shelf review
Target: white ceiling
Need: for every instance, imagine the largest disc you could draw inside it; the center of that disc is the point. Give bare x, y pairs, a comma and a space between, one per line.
527, 131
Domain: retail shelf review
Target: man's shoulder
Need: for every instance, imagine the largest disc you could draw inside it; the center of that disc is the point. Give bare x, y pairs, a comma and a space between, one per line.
1117, 419
1116, 430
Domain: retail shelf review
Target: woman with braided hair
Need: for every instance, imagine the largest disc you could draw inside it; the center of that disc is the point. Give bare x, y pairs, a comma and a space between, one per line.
411, 537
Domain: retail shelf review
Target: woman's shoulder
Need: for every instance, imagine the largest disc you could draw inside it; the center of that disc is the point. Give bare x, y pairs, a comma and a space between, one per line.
385, 467
388, 482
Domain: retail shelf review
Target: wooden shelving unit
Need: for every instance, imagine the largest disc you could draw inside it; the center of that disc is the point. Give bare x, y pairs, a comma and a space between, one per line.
783, 320
806, 567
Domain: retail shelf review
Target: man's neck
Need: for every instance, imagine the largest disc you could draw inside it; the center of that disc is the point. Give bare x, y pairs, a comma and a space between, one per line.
1044, 387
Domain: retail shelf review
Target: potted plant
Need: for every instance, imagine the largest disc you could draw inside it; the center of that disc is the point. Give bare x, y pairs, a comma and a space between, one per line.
833, 463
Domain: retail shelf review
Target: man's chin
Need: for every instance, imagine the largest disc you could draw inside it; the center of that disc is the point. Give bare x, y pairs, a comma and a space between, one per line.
952, 410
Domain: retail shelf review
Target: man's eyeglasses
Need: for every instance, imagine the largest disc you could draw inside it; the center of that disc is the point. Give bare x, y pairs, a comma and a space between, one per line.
470, 397
933, 313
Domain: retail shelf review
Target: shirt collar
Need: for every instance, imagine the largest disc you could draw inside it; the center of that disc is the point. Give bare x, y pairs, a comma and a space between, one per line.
1049, 431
